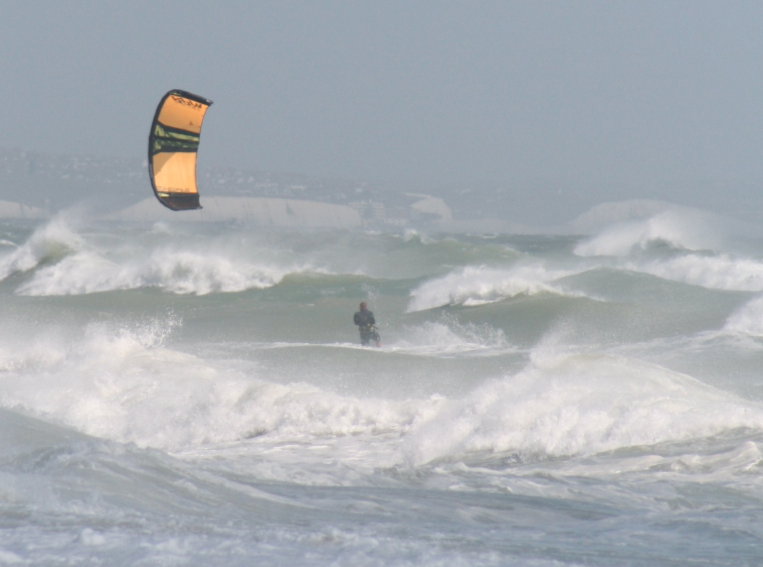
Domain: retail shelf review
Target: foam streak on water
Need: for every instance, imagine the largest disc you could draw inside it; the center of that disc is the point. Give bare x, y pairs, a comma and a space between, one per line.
196, 395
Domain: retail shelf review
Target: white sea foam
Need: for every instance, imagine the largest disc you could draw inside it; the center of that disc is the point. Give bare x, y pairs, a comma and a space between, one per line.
686, 231
478, 285
65, 262
448, 447
605, 215
51, 241
747, 319
181, 272
692, 230
579, 404
447, 336
123, 384
720, 466
714, 272
412, 235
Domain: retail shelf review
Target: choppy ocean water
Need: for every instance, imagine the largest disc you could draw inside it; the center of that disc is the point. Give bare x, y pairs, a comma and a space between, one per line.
178, 394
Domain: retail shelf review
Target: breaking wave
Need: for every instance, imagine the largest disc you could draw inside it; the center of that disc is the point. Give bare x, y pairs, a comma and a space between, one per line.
48, 243
177, 272
747, 319
124, 384
478, 285
677, 229
713, 272
579, 404
63, 262
448, 336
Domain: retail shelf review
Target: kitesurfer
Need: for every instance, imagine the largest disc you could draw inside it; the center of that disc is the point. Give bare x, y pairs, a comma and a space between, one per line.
366, 323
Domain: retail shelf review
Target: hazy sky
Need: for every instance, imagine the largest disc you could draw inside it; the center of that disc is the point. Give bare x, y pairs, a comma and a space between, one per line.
608, 94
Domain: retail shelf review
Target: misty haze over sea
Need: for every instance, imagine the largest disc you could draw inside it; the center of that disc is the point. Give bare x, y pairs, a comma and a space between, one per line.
109, 184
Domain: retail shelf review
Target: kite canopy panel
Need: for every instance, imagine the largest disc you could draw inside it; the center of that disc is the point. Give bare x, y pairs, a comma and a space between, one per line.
172, 147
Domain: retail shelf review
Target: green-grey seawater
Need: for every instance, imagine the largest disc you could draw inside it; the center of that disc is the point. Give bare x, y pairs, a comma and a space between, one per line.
188, 394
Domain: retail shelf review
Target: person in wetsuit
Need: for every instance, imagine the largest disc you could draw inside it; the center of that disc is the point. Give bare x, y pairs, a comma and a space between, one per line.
366, 323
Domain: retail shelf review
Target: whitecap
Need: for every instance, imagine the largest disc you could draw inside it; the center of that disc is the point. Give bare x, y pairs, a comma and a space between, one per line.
681, 229
49, 242
579, 404
479, 285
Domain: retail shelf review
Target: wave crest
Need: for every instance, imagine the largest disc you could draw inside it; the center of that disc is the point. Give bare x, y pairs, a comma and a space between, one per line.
747, 319
713, 272
690, 230
478, 285
49, 243
448, 336
180, 272
64, 262
579, 404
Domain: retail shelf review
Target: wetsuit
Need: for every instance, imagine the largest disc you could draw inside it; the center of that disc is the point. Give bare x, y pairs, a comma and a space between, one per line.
365, 322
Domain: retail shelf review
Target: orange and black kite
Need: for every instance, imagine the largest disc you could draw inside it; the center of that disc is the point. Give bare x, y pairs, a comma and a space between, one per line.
172, 147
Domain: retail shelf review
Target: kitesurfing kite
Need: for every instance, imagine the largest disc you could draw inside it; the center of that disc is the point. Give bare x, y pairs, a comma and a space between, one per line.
172, 147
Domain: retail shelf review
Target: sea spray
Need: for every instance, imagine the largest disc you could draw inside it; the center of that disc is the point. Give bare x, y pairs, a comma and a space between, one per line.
65, 262
720, 271
687, 229
748, 318
479, 285
180, 272
448, 335
579, 405
505, 406
49, 243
